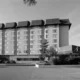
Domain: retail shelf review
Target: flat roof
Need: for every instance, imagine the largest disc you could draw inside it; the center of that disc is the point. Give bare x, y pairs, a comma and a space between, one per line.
54, 21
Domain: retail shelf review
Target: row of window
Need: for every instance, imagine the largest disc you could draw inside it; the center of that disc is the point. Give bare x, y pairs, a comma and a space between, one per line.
26, 32
54, 36
25, 37
39, 31
25, 51
54, 31
19, 51
39, 41
39, 46
31, 41
28, 59
32, 37
31, 32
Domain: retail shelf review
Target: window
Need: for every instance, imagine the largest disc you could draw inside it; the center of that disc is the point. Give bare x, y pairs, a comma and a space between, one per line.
19, 51
12, 42
19, 42
25, 42
6, 42
31, 46
6, 47
39, 41
46, 36
17, 46
32, 32
54, 30
39, 31
46, 31
25, 32
18, 33
12, 32
25, 47
54, 35
6, 33
26, 37
25, 51
55, 45
31, 37
31, 41
55, 26
35, 59
39, 36
18, 37
54, 40
6, 37
12, 37
18, 59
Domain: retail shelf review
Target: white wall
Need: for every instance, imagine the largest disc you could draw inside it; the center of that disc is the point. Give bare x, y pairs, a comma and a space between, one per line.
22, 41
36, 38
50, 34
9, 42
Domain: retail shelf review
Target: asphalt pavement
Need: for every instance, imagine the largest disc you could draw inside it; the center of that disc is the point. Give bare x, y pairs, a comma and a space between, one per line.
54, 72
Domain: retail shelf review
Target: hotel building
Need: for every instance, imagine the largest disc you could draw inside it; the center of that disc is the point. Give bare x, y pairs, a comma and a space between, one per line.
23, 39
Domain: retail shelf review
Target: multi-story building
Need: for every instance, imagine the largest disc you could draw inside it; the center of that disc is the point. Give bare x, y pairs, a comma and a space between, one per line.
25, 38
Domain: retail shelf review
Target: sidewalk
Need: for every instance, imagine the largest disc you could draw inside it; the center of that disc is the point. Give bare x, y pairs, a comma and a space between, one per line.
42, 66
17, 64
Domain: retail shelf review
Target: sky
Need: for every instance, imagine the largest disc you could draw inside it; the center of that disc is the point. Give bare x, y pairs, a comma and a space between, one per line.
16, 10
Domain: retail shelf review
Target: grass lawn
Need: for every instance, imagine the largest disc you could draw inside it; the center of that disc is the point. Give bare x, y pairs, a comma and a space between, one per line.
42, 73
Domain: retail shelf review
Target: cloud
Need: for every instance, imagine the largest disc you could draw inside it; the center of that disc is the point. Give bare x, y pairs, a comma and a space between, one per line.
75, 40
74, 30
74, 33
74, 16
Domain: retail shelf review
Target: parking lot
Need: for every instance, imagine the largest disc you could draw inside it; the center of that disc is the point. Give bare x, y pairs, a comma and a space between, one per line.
42, 73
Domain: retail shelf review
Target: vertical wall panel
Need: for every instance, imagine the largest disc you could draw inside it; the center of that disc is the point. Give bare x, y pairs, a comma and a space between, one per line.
0, 42
15, 41
50, 32
3, 42
28, 41
22, 40
9, 42
63, 35
35, 40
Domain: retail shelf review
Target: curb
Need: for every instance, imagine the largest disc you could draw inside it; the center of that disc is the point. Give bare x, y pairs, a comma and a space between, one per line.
17, 64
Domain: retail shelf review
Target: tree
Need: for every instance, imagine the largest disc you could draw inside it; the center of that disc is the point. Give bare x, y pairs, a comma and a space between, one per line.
43, 49
52, 51
30, 2
51, 54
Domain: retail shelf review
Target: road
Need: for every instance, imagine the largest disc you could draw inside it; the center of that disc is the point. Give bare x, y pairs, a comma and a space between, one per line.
43, 73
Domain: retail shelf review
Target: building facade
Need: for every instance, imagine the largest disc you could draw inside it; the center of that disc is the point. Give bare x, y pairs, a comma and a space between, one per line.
25, 38
70, 49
